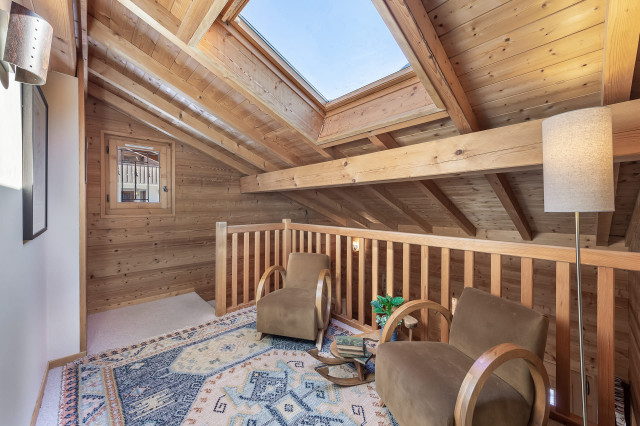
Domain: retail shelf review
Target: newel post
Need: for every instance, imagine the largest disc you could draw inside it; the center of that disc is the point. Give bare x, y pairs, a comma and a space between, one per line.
221, 268
286, 243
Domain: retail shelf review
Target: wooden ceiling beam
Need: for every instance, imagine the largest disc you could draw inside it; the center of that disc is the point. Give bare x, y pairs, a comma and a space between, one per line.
621, 46
178, 117
106, 37
433, 191
604, 220
503, 191
179, 135
228, 62
410, 25
353, 217
508, 148
199, 18
353, 202
384, 195
166, 128
233, 10
430, 189
634, 223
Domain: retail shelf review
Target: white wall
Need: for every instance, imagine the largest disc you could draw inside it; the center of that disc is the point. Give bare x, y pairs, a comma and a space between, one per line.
62, 236
39, 280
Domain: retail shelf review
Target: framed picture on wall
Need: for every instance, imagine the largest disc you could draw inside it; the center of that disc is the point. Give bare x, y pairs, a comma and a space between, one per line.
35, 129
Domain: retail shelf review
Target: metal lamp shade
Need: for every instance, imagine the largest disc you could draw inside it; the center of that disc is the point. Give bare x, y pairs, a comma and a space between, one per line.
577, 158
27, 45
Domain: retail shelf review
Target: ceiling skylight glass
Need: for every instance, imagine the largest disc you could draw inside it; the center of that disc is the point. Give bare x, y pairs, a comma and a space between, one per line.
337, 46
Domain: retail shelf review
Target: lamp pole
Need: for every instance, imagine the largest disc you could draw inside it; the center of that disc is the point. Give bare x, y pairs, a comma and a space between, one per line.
583, 381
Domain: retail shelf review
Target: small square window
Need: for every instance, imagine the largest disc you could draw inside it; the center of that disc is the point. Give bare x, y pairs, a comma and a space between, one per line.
137, 177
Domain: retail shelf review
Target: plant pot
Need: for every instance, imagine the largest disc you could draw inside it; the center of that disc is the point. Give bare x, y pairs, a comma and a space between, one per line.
394, 335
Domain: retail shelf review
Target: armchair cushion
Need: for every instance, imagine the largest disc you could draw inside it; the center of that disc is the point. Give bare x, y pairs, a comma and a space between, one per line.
289, 312
420, 381
482, 321
303, 269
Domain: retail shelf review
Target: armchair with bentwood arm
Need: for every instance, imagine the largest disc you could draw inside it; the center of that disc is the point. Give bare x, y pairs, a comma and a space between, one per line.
302, 307
490, 372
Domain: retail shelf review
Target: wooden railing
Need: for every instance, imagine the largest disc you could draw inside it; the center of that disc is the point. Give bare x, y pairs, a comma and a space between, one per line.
273, 242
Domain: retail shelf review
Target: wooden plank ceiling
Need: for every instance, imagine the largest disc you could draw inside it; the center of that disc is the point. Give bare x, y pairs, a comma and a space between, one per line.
187, 69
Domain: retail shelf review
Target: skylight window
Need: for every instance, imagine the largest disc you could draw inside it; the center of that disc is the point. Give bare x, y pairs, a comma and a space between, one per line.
337, 46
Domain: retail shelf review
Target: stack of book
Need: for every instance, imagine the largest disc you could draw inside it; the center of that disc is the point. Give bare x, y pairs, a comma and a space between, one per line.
350, 347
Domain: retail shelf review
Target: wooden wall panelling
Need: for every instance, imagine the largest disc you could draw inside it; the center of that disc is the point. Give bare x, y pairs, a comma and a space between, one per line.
132, 259
634, 338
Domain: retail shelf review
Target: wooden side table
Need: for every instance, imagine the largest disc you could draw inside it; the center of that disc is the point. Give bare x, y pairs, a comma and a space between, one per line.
363, 376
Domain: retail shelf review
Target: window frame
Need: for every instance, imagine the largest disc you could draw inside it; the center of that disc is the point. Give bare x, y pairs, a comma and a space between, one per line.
110, 206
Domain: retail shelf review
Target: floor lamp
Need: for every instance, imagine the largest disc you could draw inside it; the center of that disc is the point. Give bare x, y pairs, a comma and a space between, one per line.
577, 161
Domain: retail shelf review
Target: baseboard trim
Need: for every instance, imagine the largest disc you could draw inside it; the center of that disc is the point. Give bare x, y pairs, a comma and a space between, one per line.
55, 363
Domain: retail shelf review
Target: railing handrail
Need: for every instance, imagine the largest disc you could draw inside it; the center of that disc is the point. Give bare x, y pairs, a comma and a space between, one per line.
233, 229
592, 257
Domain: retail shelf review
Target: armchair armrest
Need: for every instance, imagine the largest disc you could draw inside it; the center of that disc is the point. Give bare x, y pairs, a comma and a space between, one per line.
266, 274
482, 369
323, 313
406, 309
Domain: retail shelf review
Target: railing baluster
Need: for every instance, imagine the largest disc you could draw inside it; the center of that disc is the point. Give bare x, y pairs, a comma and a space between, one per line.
294, 241
349, 277
606, 346
301, 248
406, 269
496, 274
276, 258
286, 243
469, 265
327, 245
234, 269
221, 268
267, 258
424, 289
374, 279
245, 271
526, 282
389, 288
309, 242
563, 338
361, 279
338, 280
445, 288
318, 242
257, 250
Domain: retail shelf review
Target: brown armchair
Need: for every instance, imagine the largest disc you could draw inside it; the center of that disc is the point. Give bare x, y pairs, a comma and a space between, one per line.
468, 379
302, 307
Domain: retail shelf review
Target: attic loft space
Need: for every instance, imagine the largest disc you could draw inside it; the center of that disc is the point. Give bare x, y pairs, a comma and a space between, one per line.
336, 46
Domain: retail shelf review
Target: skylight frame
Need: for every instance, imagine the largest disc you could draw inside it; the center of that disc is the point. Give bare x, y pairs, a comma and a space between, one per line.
295, 79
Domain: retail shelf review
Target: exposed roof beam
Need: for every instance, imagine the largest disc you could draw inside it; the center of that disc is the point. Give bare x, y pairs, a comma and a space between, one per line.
384, 195
430, 189
233, 10
105, 36
350, 200
102, 71
337, 208
634, 223
515, 147
166, 128
621, 45
410, 25
384, 141
605, 219
175, 133
503, 191
227, 62
199, 18
433, 191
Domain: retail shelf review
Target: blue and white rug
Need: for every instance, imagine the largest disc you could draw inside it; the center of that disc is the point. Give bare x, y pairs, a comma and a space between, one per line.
215, 374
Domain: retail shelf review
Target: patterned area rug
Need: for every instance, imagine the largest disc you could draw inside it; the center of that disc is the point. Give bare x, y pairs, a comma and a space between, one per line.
215, 374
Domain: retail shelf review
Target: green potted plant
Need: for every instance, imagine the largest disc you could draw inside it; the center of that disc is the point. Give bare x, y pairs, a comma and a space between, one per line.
384, 306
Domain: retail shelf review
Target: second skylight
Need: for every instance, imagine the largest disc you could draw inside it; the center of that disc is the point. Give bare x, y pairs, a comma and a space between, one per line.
337, 46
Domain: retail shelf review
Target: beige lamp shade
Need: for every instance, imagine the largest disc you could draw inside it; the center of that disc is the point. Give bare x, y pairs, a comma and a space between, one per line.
577, 161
